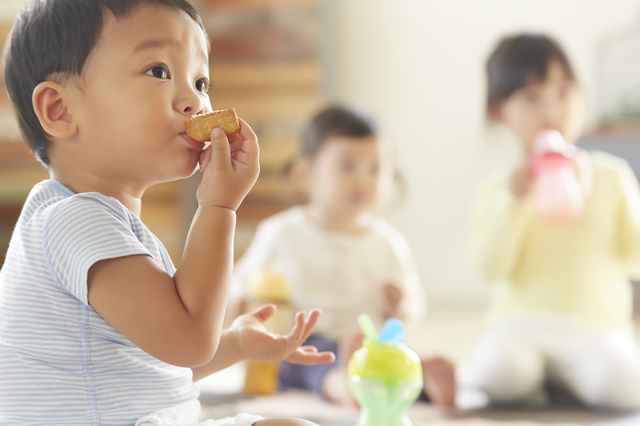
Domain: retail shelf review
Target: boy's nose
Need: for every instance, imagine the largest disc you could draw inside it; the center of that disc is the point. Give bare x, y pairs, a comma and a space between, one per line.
189, 103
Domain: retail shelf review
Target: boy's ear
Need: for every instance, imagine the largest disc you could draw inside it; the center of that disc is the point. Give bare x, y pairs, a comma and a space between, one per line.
50, 103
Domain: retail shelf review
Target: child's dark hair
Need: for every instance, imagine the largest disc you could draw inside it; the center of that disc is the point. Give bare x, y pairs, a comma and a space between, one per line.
335, 121
56, 37
519, 60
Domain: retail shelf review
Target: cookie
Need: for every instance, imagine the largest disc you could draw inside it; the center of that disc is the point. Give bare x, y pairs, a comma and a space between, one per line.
199, 127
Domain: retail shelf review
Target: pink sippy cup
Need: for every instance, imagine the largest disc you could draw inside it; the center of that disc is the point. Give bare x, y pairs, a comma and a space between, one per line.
559, 196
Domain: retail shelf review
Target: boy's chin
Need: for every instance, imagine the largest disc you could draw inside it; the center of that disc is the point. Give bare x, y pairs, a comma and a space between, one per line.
190, 169
188, 172
180, 174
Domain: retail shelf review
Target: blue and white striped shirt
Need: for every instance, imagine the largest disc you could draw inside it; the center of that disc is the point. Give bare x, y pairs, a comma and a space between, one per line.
61, 363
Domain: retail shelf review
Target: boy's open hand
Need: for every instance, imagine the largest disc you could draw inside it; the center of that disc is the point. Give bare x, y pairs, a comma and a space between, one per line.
255, 343
230, 167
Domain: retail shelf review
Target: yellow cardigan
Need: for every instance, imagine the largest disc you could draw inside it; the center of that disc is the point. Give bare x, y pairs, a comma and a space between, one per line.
580, 269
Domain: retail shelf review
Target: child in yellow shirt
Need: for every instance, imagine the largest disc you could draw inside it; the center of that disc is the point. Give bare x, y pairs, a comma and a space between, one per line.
561, 311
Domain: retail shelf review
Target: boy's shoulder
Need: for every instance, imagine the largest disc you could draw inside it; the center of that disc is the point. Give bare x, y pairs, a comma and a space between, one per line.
53, 199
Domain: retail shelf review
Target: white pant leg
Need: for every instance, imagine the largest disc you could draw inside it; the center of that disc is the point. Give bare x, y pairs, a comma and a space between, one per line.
508, 365
600, 367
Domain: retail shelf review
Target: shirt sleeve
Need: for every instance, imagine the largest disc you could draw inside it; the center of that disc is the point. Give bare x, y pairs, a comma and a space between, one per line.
500, 224
628, 229
81, 231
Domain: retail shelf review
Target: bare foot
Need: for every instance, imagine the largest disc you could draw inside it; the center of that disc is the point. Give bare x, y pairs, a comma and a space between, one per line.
439, 381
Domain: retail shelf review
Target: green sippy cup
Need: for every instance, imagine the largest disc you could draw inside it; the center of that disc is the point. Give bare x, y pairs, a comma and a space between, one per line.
385, 376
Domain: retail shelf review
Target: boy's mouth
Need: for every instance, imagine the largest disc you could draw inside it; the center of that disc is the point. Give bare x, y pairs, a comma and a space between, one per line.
192, 142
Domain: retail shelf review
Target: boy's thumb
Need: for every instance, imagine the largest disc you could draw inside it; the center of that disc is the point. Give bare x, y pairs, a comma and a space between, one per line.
264, 312
220, 149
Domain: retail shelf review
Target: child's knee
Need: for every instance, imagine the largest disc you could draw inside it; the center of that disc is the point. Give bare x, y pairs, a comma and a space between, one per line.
509, 372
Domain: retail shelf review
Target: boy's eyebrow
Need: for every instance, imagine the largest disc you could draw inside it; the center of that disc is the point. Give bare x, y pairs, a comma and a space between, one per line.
152, 44
157, 43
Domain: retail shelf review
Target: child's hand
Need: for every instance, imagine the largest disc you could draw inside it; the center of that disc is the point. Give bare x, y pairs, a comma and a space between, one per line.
520, 181
255, 343
392, 297
230, 167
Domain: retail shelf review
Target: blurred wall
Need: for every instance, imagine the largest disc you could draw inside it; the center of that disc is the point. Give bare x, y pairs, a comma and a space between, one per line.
8, 8
419, 65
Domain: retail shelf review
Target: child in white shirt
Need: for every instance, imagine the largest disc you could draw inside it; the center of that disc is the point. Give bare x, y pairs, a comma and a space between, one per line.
337, 254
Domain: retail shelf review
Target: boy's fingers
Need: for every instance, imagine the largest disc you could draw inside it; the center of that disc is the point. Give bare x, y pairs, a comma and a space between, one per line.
204, 159
294, 339
311, 323
309, 349
246, 132
237, 154
307, 358
249, 141
220, 150
264, 312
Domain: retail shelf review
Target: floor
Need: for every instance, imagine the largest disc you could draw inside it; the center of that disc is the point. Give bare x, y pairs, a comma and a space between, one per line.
445, 331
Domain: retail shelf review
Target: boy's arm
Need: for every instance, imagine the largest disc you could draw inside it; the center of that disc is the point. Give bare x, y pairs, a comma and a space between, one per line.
179, 319
247, 338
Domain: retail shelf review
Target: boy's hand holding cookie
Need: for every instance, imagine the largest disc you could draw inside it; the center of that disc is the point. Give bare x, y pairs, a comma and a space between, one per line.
254, 342
230, 167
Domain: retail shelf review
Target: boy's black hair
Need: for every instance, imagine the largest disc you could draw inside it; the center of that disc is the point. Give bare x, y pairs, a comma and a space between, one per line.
335, 121
519, 60
57, 36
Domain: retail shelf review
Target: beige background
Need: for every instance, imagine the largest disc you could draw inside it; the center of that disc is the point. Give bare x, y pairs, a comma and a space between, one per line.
419, 66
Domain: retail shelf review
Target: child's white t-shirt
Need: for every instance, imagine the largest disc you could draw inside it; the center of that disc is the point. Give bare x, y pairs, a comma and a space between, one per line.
60, 361
342, 274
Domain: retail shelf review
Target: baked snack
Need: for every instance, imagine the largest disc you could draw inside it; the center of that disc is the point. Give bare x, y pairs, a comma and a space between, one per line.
199, 127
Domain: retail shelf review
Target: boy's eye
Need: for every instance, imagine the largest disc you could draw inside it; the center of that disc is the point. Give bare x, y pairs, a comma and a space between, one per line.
158, 72
202, 85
